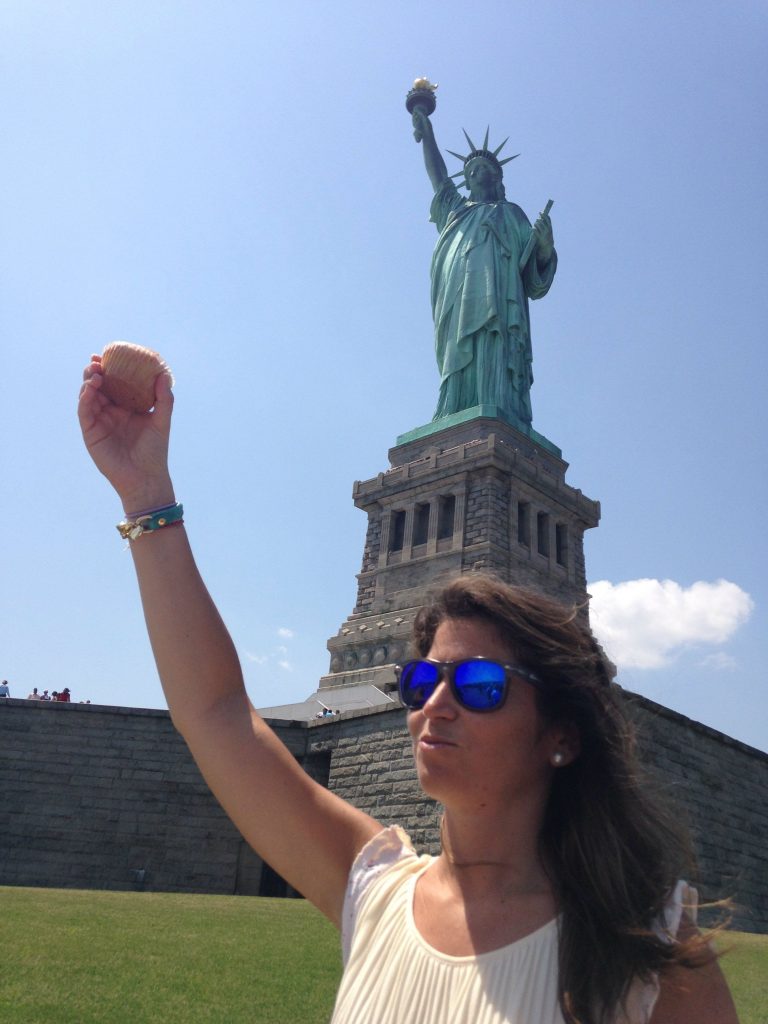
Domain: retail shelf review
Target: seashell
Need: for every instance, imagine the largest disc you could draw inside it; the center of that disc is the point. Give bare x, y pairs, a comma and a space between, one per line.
129, 373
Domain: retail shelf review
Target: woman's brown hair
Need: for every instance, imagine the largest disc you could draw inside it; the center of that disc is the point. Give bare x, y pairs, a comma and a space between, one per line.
613, 850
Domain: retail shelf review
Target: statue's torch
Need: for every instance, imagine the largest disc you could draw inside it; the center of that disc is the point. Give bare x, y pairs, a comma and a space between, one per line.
422, 95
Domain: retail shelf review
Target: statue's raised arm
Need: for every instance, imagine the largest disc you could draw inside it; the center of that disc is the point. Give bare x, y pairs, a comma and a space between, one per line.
433, 158
488, 262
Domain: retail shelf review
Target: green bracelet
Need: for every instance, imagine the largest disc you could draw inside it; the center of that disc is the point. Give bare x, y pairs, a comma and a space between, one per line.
132, 529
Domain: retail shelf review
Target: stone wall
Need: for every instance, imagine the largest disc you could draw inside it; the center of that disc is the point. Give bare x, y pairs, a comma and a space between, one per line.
372, 768
720, 786
109, 798
98, 797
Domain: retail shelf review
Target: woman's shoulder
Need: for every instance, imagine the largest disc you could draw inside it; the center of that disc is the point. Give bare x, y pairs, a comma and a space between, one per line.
389, 849
389, 854
681, 905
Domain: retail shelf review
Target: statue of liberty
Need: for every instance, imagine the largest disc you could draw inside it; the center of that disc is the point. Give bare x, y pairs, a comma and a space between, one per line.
487, 264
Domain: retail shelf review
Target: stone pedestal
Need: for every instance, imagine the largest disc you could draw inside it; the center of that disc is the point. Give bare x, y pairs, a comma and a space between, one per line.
475, 494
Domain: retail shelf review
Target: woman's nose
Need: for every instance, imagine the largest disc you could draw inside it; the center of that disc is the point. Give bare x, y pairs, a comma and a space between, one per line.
441, 703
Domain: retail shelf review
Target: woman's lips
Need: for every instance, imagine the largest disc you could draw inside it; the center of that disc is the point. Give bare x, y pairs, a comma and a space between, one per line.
430, 741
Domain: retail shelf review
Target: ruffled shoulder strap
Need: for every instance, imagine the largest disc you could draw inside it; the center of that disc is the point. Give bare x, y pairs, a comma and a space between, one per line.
642, 996
387, 848
683, 899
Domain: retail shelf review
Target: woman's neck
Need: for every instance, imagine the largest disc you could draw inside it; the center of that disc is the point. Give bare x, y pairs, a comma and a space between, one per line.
482, 854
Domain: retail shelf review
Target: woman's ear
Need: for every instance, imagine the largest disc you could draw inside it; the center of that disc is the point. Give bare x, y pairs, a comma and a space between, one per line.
565, 743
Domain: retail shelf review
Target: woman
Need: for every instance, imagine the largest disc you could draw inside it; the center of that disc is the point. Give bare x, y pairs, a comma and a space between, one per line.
554, 872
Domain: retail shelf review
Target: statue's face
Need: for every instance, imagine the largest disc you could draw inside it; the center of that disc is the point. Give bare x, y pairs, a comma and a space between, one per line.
481, 178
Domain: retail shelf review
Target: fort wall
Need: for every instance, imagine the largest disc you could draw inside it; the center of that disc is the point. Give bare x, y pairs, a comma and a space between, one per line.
110, 798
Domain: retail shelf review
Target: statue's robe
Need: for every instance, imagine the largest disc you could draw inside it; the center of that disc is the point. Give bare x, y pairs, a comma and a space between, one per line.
480, 304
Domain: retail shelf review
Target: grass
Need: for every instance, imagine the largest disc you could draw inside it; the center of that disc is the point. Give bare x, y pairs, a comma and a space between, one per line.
745, 966
75, 957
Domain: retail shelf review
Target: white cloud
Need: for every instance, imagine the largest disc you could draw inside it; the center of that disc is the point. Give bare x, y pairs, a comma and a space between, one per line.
278, 656
260, 659
719, 661
285, 633
644, 623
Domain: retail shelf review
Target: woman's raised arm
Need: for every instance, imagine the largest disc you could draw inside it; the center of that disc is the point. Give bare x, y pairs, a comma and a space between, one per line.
305, 832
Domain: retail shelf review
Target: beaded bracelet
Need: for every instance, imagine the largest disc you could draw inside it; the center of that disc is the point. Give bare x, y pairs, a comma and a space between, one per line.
153, 519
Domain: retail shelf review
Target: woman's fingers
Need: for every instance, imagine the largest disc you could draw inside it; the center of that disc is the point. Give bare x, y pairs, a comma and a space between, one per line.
161, 413
94, 367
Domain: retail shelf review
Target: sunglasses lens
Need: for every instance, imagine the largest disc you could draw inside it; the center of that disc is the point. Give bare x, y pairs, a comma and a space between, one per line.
480, 684
418, 680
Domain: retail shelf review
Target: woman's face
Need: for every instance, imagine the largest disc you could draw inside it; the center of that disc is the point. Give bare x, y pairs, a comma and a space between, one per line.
480, 759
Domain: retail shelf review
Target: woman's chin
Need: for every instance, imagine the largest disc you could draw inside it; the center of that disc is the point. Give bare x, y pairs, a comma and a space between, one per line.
436, 783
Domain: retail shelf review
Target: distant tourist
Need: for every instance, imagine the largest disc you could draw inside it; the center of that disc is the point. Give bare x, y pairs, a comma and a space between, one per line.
4, 689
34, 695
64, 696
557, 895
45, 695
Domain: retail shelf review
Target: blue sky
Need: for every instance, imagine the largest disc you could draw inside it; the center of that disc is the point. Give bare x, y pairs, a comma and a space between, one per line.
236, 185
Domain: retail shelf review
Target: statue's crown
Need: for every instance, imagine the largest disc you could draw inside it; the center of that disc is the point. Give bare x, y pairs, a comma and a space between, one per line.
481, 151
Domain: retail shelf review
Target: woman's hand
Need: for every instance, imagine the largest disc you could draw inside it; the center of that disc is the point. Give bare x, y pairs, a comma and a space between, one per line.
309, 835
130, 449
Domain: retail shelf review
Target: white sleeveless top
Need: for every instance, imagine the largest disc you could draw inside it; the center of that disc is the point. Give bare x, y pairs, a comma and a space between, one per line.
393, 976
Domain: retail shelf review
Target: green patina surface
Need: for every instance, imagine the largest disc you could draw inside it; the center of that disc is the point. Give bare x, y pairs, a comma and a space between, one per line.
487, 411
487, 264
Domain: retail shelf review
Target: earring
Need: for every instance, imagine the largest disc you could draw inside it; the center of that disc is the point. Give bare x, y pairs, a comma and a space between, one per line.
557, 759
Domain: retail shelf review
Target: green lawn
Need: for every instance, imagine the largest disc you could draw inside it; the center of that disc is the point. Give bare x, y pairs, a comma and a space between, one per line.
745, 965
74, 957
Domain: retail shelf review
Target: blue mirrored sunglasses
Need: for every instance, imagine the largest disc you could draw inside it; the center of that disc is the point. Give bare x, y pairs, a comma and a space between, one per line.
478, 684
